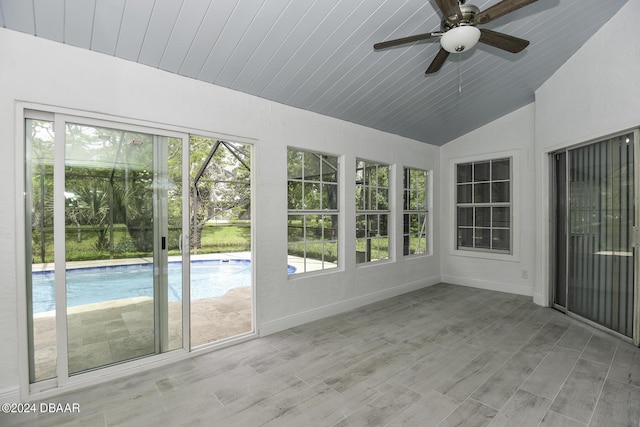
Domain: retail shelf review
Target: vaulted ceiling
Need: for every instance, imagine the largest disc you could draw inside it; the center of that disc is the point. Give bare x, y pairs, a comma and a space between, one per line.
318, 54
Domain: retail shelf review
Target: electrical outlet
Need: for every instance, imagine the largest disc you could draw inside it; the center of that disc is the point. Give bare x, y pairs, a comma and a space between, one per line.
524, 274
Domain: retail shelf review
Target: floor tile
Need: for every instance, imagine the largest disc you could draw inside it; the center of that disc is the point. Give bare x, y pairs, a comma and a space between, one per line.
501, 386
553, 419
619, 405
378, 411
578, 396
426, 412
547, 379
523, 410
576, 337
626, 364
545, 339
461, 384
600, 348
471, 414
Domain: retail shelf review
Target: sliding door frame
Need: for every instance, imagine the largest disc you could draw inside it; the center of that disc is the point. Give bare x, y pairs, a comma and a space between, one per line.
553, 237
61, 116
554, 260
636, 237
53, 387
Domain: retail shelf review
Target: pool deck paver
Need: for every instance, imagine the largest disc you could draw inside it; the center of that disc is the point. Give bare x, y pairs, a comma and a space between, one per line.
104, 333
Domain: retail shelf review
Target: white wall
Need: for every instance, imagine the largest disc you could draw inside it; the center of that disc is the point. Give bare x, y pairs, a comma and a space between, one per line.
594, 94
39, 71
509, 136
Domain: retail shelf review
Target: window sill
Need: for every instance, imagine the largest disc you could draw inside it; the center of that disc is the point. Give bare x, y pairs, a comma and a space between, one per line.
486, 255
418, 256
307, 274
374, 263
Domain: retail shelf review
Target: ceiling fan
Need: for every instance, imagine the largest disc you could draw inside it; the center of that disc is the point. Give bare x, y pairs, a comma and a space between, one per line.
459, 32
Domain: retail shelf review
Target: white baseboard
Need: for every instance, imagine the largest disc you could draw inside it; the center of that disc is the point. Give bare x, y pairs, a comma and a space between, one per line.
10, 395
539, 299
489, 285
268, 328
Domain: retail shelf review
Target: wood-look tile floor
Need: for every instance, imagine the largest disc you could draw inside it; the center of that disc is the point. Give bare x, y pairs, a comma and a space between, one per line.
442, 356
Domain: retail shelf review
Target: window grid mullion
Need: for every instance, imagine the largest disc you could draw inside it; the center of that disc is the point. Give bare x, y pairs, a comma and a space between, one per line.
412, 216
473, 181
313, 220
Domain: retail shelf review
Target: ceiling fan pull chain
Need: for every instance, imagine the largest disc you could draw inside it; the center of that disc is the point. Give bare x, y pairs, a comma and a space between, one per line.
460, 73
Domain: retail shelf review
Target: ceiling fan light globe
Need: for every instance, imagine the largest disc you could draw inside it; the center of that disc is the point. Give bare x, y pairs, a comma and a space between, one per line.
459, 39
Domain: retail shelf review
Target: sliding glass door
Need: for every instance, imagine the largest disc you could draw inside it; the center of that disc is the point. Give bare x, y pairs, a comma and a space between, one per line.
594, 216
108, 176
220, 244
105, 204
138, 242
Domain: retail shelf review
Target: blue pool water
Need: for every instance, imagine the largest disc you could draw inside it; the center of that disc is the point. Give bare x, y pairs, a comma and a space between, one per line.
211, 278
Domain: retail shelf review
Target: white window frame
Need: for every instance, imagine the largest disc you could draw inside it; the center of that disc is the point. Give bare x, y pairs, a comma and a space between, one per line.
305, 213
427, 225
514, 255
375, 211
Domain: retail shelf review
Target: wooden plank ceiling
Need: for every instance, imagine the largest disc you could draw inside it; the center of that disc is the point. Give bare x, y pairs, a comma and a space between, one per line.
318, 54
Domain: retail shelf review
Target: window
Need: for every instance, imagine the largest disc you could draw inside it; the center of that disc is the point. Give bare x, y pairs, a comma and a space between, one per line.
483, 202
415, 212
372, 211
312, 210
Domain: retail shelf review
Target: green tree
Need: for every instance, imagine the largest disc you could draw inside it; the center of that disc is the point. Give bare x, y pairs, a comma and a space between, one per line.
220, 183
109, 176
41, 147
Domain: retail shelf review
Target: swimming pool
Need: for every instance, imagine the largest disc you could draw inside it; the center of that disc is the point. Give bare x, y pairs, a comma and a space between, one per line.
210, 278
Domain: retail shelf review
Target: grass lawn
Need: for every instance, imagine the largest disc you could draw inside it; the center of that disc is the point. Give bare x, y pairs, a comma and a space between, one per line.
82, 246
225, 238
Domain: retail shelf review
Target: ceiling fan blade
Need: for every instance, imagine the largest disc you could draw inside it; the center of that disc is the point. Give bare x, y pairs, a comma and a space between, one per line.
502, 41
500, 9
437, 62
449, 8
404, 40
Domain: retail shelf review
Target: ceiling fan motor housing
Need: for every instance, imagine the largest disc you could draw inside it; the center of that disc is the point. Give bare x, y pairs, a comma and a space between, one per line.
469, 12
460, 33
